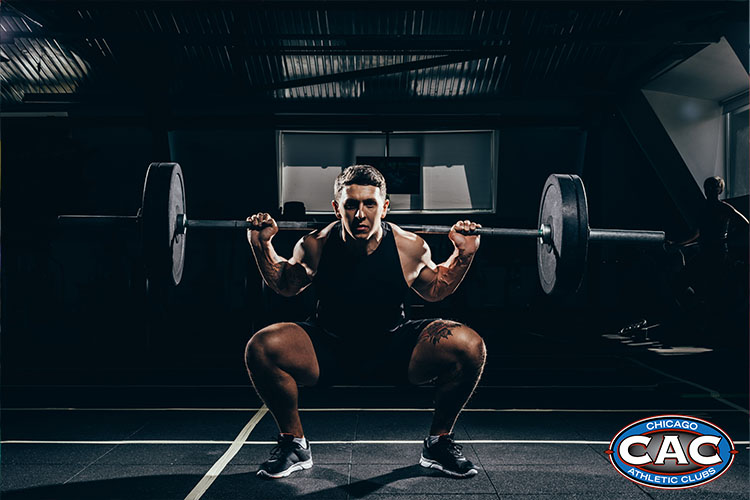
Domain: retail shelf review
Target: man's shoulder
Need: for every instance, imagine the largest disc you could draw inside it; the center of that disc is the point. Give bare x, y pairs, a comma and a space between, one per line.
310, 246
403, 234
408, 241
318, 237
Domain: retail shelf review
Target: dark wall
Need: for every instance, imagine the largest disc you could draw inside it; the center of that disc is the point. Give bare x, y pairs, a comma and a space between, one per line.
626, 281
66, 295
74, 300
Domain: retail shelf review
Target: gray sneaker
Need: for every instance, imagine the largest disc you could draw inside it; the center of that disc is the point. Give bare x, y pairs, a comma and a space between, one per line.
286, 457
446, 456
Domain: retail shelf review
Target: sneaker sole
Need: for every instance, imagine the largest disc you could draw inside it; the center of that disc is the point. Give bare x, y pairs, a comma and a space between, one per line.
432, 464
307, 464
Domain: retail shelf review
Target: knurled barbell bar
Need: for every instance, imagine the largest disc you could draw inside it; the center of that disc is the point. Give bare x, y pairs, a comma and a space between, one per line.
562, 235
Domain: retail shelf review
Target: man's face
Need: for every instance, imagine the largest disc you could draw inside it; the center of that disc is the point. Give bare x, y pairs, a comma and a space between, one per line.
360, 209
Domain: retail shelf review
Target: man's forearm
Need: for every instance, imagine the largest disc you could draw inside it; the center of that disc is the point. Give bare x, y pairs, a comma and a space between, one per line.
283, 279
449, 275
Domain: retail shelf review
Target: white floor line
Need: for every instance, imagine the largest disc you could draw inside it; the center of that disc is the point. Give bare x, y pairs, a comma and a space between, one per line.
235, 447
424, 386
119, 442
714, 394
467, 441
477, 410
127, 386
640, 386
265, 443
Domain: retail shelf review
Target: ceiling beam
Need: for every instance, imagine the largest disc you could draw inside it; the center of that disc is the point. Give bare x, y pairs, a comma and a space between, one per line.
272, 42
403, 4
372, 72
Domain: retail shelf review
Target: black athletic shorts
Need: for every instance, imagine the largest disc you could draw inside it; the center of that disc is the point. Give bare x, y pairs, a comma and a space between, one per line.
379, 359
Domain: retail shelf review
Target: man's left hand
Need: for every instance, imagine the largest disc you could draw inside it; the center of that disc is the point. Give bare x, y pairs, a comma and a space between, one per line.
466, 244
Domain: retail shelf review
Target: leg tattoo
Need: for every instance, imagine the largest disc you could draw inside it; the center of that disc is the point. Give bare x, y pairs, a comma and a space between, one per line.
455, 355
437, 330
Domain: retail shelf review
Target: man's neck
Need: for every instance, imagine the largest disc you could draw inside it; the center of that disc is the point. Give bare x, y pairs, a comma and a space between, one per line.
364, 246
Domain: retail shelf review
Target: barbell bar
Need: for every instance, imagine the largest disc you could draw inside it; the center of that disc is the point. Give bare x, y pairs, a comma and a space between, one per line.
562, 235
621, 235
311, 226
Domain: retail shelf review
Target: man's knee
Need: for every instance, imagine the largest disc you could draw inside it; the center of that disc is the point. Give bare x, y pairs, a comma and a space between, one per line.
470, 346
457, 339
266, 345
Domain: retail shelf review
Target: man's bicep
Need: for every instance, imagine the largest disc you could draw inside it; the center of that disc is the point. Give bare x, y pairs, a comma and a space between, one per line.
425, 279
428, 272
302, 257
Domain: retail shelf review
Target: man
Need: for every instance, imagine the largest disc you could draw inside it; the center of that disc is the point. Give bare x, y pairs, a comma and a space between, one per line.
362, 268
717, 217
712, 235
706, 288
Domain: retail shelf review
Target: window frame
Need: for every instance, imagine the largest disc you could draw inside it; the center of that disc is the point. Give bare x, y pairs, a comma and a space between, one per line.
732, 107
494, 144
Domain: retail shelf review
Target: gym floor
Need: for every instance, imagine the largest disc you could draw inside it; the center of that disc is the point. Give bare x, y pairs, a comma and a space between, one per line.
538, 427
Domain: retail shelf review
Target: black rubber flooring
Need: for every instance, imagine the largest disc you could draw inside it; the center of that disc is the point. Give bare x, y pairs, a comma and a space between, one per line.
537, 427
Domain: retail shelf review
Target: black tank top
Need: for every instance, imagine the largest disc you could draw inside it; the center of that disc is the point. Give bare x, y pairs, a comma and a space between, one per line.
359, 293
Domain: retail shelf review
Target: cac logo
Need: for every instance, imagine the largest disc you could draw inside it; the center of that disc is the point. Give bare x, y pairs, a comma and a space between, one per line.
671, 452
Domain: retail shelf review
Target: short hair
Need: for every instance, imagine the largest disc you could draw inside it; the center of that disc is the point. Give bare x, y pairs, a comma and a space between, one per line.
713, 185
364, 175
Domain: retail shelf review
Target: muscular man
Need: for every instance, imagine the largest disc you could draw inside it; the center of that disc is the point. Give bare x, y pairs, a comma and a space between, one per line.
362, 268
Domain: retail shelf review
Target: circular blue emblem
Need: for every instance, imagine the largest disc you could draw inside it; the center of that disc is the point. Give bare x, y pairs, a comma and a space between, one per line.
671, 452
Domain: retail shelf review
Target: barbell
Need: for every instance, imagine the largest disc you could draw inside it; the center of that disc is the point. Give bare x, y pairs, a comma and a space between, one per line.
562, 235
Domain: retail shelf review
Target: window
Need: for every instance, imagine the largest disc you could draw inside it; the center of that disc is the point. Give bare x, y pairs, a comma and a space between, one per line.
738, 159
441, 172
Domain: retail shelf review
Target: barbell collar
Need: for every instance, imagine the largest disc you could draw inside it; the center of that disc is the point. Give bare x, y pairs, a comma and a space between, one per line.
627, 236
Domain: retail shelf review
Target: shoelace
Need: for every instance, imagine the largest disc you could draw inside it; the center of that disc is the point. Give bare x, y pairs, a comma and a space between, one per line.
452, 447
281, 447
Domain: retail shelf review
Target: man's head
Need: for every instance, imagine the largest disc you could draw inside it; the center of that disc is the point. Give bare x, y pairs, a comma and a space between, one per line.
359, 200
713, 187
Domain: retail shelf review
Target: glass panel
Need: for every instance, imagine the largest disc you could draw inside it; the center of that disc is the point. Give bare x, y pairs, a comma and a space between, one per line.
458, 169
739, 159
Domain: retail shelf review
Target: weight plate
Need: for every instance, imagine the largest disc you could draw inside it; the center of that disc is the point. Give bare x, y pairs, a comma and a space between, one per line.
163, 246
562, 260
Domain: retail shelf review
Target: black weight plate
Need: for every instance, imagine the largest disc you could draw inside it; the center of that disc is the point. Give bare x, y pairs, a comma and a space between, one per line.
163, 247
562, 262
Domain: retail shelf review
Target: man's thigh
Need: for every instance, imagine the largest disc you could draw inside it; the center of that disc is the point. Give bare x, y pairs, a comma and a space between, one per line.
389, 363
285, 346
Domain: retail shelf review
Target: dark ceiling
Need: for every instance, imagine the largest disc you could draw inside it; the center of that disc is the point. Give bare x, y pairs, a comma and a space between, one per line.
199, 53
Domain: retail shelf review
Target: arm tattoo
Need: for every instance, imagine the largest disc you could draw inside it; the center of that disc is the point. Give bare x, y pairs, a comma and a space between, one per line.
272, 272
293, 277
278, 274
448, 276
437, 330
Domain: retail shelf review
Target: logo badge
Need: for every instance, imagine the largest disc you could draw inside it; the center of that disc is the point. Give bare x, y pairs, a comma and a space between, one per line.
671, 452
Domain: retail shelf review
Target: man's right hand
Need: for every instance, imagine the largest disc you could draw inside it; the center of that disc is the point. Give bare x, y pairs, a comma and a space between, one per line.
268, 228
